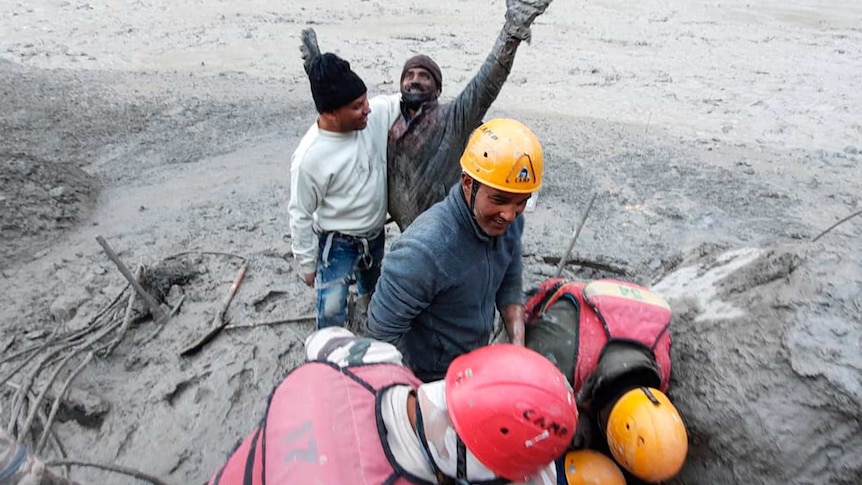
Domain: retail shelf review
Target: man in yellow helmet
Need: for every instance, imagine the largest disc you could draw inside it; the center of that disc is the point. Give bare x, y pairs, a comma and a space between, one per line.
461, 259
612, 339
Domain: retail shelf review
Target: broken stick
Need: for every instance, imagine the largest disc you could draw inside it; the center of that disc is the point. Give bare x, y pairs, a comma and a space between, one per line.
46, 432
219, 322
127, 317
304, 318
833, 226
156, 310
111, 468
155, 333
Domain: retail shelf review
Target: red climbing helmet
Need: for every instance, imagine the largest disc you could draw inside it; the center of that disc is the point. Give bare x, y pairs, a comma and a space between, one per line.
512, 408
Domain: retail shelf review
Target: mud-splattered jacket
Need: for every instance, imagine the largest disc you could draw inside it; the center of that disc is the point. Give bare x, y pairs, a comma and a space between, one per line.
424, 152
439, 285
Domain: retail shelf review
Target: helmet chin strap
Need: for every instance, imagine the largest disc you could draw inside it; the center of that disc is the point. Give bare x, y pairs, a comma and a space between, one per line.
420, 432
461, 466
462, 462
473, 191
426, 450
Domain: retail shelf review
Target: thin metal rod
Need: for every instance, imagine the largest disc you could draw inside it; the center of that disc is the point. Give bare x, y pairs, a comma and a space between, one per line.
577, 233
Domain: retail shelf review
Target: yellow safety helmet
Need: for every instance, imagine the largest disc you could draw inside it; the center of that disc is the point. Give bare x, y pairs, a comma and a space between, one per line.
506, 155
646, 435
588, 467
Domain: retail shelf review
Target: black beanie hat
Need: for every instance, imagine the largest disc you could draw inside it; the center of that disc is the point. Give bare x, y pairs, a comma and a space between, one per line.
426, 63
333, 84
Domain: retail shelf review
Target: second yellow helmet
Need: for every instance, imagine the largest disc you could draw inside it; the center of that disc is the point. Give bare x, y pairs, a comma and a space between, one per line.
588, 467
646, 435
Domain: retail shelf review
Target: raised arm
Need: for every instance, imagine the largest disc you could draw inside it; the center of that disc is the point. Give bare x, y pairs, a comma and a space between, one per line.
474, 101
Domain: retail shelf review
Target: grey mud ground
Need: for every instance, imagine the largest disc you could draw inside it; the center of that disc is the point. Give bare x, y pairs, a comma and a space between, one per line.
718, 217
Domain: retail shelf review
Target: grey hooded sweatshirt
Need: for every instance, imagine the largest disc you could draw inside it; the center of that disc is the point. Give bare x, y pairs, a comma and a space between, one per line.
440, 284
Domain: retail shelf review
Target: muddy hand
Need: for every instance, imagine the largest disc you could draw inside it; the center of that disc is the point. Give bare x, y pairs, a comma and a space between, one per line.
520, 15
309, 48
308, 278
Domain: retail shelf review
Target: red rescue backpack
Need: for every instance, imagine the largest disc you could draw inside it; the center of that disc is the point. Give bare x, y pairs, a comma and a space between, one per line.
322, 426
609, 310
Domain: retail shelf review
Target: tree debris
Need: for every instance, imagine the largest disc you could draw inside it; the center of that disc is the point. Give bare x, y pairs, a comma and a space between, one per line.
300, 319
111, 468
833, 226
152, 304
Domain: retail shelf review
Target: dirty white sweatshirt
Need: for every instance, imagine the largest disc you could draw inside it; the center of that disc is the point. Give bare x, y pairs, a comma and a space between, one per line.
338, 182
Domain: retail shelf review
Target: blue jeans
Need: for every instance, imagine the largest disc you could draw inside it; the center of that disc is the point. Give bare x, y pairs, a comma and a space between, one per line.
342, 260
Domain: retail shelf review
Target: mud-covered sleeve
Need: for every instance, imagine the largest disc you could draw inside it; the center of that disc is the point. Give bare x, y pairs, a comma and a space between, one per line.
473, 102
511, 291
409, 281
306, 192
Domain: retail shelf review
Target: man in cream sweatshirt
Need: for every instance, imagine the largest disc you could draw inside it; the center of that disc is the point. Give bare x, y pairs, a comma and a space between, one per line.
338, 188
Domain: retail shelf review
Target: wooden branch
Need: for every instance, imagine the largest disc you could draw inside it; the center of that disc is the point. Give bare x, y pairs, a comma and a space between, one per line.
28, 383
303, 318
38, 401
56, 406
833, 226
18, 401
111, 468
127, 317
23, 364
152, 304
70, 336
20, 421
210, 253
55, 442
155, 333
588, 264
219, 323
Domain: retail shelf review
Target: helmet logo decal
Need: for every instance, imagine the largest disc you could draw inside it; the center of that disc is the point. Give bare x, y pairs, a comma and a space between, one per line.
522, 171
546, 423
488, 132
